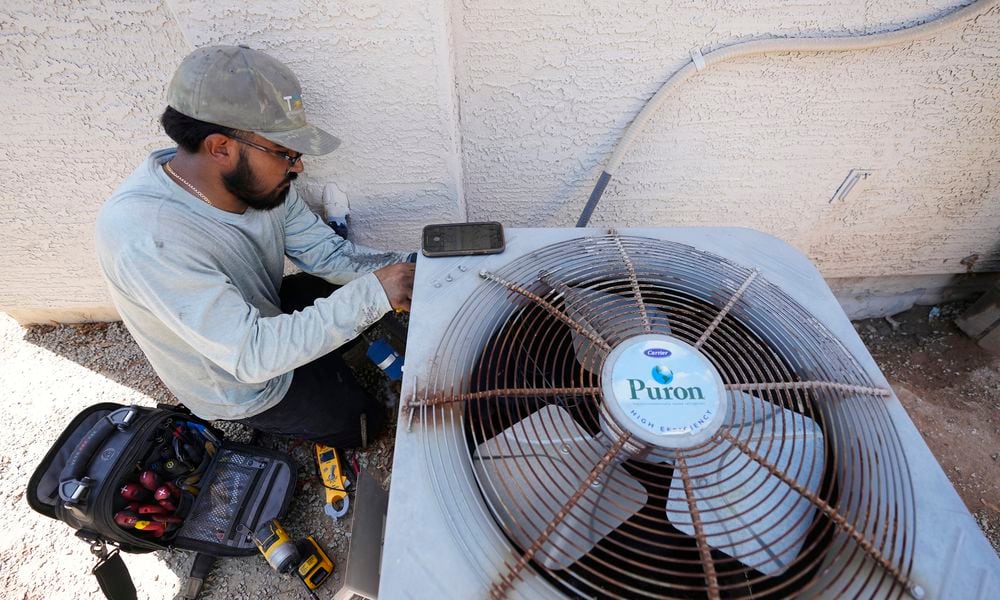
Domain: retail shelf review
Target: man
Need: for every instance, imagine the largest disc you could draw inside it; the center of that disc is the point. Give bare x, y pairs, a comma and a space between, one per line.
193, 244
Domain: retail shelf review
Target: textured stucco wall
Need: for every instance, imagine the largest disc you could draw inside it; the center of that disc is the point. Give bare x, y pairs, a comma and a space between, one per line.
84, 82
507, 109
378, 76
546, 90
81, 83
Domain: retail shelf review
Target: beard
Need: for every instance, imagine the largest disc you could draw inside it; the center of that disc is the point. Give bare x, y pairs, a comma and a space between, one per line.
242, 183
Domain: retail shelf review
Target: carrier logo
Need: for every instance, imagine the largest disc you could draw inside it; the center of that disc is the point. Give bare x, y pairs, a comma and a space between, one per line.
108, 453
657, 353
662, 374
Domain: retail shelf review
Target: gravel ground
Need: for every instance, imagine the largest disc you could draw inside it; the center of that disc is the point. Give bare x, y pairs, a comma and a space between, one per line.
49, 374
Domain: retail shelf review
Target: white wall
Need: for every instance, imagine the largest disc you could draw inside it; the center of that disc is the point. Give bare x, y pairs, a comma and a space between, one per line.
547, 89
507, 109
378, 76
81, 83
84, 86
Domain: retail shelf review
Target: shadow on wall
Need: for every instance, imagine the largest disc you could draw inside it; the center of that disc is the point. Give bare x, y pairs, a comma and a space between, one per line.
104, 348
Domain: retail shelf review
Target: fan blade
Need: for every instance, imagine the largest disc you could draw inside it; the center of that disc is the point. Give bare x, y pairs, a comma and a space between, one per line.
746, 512
530, 472
748, 410
606, 316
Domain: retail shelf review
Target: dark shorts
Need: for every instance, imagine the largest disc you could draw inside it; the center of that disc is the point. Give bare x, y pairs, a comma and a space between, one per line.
325, 403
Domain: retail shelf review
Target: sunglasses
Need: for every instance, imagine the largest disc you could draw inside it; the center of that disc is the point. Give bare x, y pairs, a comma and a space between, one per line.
290, 158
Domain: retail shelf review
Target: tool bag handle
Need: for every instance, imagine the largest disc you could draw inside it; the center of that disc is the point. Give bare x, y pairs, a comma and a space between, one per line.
116, 582
111, 573
73, 485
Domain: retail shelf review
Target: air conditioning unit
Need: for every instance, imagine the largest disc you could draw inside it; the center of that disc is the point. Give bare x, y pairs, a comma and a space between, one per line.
650, 413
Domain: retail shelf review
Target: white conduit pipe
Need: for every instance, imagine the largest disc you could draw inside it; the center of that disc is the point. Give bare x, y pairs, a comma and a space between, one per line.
701, 61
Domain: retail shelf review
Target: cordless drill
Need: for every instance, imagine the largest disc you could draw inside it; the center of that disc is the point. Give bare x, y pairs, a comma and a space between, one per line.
306, 557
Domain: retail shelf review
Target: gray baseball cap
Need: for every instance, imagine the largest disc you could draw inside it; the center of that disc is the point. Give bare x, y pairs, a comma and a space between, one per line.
245, 89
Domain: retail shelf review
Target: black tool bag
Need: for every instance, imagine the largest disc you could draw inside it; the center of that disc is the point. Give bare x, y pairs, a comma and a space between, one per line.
210, 494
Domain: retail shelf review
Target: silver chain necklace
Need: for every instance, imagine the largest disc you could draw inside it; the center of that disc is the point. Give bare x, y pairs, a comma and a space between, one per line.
196, 191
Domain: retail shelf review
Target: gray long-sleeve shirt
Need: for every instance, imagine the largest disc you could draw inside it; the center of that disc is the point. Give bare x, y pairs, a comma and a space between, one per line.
197, 288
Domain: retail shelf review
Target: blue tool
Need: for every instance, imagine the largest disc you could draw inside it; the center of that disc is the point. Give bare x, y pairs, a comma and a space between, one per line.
387, 359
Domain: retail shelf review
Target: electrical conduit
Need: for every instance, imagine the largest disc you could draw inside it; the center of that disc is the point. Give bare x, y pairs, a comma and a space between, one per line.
700, 62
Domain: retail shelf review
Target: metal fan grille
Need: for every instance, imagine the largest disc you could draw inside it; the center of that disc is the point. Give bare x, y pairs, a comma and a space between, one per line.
804, 488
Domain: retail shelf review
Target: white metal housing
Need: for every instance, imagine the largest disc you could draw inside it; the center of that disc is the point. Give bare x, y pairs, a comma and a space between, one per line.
426, 556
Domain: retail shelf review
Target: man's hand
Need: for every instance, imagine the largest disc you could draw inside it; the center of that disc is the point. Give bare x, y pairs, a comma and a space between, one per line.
397, 281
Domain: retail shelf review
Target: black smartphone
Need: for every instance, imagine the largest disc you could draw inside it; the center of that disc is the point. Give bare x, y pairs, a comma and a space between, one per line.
461, 239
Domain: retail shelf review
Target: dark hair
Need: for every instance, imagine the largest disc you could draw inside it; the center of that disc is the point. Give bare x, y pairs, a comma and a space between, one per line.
189, 132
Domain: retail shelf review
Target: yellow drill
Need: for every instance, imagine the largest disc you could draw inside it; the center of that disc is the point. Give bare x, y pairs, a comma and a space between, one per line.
311, 564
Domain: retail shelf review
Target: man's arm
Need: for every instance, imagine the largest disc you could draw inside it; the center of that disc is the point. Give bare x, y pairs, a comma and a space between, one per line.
313, 246
199, 304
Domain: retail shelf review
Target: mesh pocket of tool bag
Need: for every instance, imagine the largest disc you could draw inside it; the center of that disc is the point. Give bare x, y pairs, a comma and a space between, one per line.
242, 488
